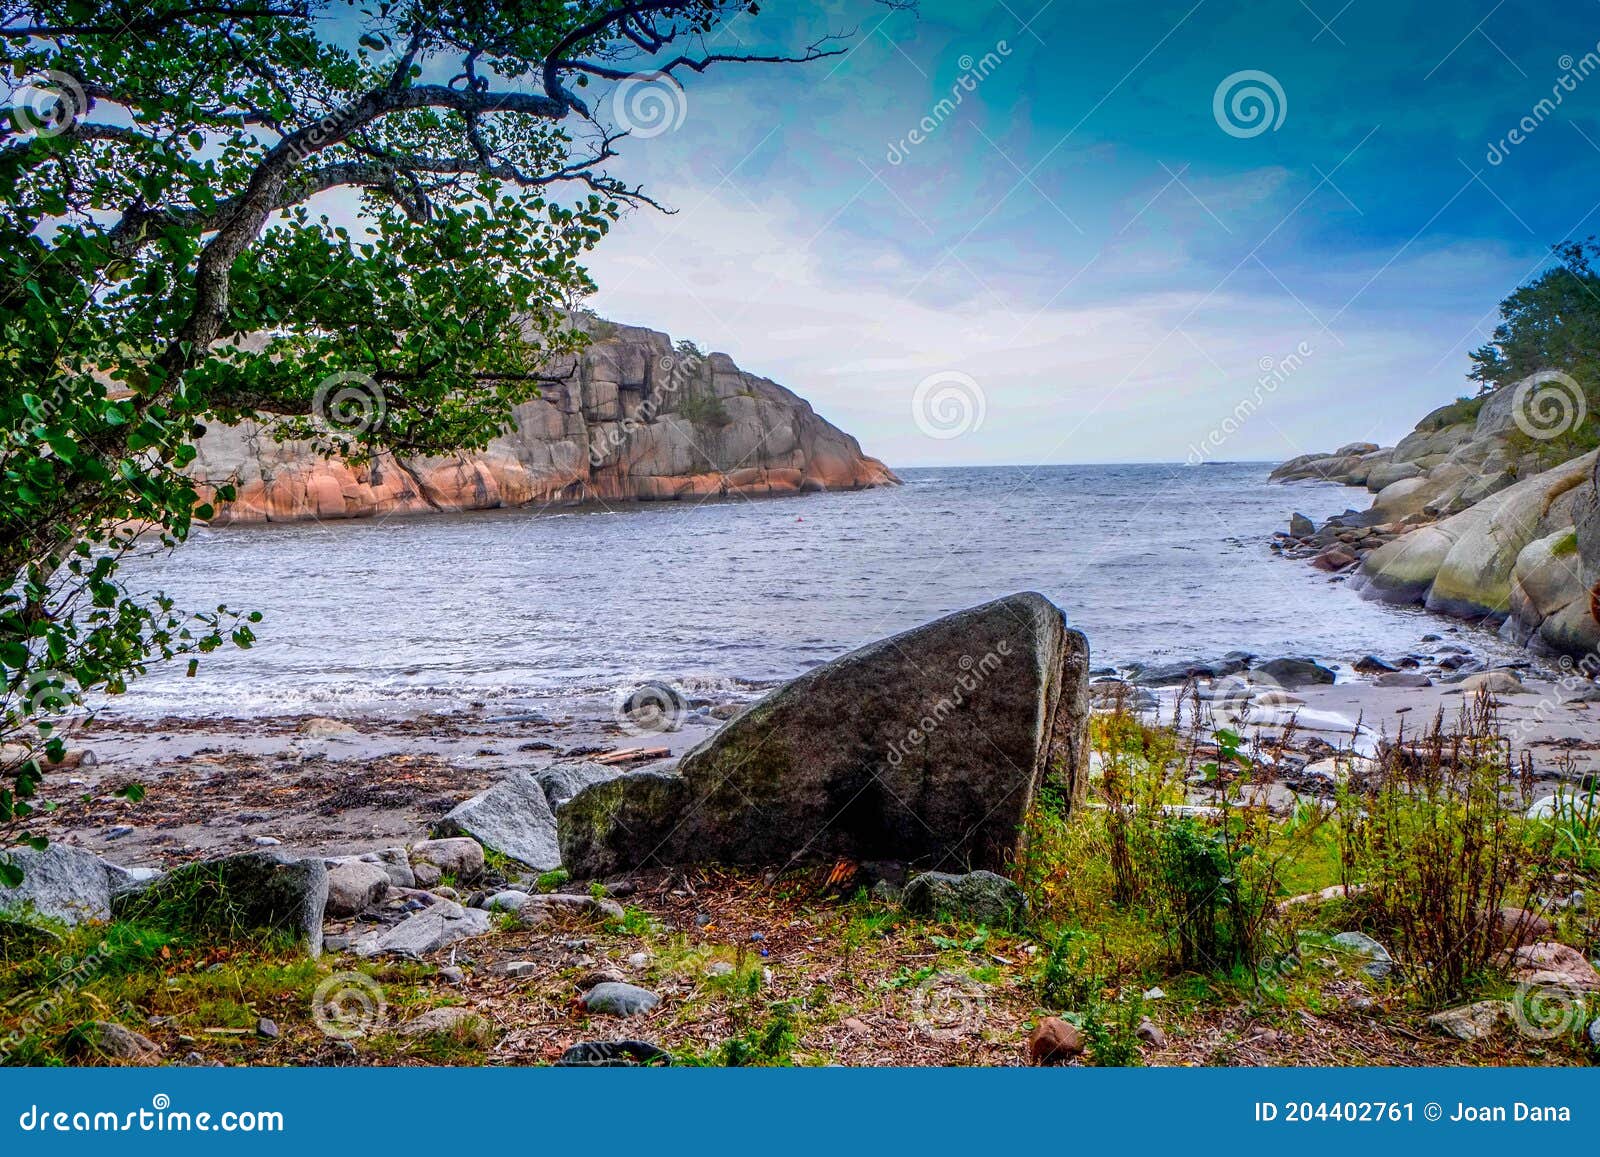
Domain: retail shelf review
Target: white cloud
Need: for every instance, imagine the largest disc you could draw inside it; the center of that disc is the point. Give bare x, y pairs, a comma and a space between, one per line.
1133, 376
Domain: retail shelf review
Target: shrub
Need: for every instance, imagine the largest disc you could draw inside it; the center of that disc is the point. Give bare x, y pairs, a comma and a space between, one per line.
1430, 835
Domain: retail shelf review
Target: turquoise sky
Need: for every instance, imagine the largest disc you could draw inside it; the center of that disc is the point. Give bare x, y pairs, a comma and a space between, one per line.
1090, 262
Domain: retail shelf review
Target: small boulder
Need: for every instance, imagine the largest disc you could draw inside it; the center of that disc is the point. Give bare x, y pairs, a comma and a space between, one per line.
1054, 1042
1494, 682
452, 1021
1296, 673
266, 891
540, 908
506, 900
1471, 1022
112, 1041
1150, 1033
427, 931
1410, 679
1553, 964
1371, 665
460, 857
513, 817
614, 999
561, 781
1300, 526
354, 886
61, 882
1516, 927
1379, 963
126, 881
980, 897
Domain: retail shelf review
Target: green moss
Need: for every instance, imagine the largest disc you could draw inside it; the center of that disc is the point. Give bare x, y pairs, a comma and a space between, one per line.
1566, 545
1459, 412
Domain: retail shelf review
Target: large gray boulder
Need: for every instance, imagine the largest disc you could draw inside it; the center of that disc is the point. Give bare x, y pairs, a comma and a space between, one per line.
513, 817
61, 882
267, 891
926, 748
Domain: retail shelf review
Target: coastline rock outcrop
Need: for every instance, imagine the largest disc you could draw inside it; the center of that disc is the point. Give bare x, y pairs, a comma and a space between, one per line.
1469, 519
636, 419
927, 748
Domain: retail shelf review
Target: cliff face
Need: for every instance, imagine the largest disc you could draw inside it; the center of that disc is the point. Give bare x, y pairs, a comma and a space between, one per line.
1466, 523
635, 420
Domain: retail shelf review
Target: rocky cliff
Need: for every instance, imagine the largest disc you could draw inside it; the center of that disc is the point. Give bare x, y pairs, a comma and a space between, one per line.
635, 419
1468, 519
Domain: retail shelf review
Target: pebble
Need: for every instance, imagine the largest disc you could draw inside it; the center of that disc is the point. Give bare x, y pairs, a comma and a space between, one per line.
119, 831
1154, 994
267, 1028
719, 968
639, 960
519, 968
266, 841
450, 974
1151, 1034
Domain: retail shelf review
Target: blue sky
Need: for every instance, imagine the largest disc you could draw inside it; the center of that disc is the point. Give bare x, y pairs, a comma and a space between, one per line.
1080, 249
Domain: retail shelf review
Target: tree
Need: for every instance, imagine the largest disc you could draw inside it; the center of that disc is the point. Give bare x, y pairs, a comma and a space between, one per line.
1551, 323
167, 260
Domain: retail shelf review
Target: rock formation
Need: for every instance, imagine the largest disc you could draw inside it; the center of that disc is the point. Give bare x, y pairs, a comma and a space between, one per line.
637, 419
1468, 519
923, 748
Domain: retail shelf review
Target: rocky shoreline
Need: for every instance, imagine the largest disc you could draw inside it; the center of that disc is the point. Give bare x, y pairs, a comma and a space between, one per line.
1469, 519
518, 877
633, 418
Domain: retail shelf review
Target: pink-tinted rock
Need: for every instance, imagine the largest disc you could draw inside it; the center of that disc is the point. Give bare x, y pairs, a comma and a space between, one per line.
638, 421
